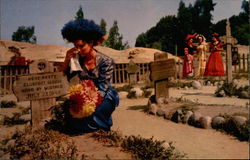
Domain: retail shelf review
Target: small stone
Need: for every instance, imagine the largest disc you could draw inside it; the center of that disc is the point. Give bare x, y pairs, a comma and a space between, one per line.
186, 87
196, 85
152, 108
244, 94
187, 116
205, 122
220, 94
25, 117
138, 91
160, 112
177, 116
217, 122
166, 145
208, 83
10, 143
194, 119
216, 83
239, 120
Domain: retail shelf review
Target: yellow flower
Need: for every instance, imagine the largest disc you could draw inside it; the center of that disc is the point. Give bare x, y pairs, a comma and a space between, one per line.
75, 89
85, 111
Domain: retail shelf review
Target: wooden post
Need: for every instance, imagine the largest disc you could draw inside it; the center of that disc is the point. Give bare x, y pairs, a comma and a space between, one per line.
160, 70
229, 52
132, 70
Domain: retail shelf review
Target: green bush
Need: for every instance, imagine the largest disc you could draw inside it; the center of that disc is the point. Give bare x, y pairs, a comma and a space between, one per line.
7, 104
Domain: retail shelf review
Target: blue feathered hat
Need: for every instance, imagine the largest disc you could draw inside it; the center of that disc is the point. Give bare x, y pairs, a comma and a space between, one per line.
82, 29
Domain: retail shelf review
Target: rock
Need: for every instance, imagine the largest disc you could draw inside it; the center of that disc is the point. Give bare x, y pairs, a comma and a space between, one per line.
25, 117
166, 145
208, 83
152, 108
162, 100
217, 122
194, 119
244, 94
187, 116
216, 83
239, 120
123, 95
11, 143
220, 94
221, 83
160, 112
177, 116
186, 87
138, 91
205, 122
196, 85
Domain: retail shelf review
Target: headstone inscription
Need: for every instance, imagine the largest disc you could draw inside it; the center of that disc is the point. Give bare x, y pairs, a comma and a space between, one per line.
40, 87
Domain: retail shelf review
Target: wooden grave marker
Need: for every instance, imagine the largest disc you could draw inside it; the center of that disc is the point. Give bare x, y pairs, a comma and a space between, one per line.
40, 87
132, 70
160, 72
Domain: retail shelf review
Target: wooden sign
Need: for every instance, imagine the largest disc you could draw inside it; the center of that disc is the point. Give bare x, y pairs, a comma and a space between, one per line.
40, 86
160, 70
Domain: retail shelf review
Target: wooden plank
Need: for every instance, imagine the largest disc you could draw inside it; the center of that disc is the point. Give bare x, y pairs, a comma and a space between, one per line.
40, 86
244, 63
160, 56
160, 70
161, 89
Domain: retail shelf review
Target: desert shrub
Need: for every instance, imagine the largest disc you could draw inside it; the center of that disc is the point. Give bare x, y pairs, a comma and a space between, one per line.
143, 148
59, 117
179, 84
7, 104
131, 94
146, 93
43, 144
231, 89
126, 88
111, 138
14, 120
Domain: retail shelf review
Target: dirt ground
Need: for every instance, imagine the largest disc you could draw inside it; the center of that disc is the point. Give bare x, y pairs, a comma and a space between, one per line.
130, 119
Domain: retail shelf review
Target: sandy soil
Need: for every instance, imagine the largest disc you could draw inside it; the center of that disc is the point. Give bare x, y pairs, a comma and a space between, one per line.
130, 119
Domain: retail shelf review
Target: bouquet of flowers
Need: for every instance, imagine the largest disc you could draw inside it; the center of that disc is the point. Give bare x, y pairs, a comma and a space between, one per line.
84, 98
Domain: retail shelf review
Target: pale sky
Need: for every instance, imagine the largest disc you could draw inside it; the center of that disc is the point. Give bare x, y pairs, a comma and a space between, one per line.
133, 16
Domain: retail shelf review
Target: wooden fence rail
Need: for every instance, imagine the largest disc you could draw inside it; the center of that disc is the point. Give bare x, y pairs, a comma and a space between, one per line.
8, 75
243, 66
120, 75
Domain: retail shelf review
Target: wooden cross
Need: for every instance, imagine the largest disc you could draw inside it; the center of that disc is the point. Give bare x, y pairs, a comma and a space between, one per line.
160, 71
40, 87
132, 70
